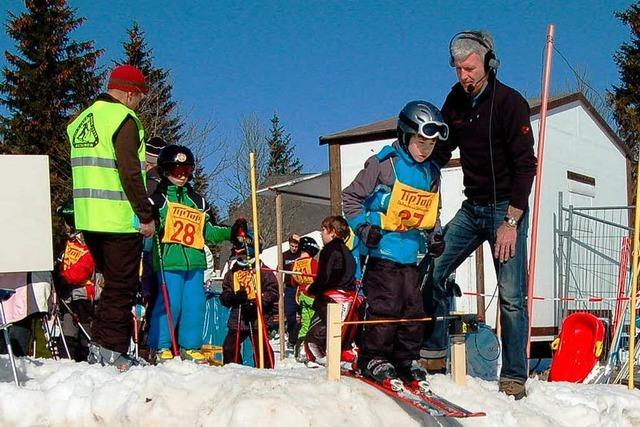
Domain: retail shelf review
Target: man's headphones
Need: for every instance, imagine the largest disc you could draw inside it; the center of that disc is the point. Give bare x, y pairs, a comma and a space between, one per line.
491, 63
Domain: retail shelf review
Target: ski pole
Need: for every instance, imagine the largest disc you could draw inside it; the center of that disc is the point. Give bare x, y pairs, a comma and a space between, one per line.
76, 320
165, 297
64, 340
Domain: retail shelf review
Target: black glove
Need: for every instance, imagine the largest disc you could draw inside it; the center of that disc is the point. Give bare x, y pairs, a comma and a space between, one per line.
370, 235
436, 244
240, 297
239, 229
249, 311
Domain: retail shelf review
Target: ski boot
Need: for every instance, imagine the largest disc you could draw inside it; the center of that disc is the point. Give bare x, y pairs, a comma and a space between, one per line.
162, 355
382, 371
105, 357
414, 378
193, 355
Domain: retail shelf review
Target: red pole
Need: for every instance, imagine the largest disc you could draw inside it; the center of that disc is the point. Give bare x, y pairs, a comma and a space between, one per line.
536, 200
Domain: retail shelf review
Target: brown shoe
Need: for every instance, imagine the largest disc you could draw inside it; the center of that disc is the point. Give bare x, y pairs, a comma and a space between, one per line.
434, 366
513, 388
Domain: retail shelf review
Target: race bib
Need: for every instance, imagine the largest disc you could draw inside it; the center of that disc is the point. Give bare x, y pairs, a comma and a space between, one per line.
243, 279
72, 253
410, 208
184, 226
302, 266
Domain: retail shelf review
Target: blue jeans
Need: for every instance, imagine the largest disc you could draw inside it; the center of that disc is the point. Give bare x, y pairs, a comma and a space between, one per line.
291, 312
472, 225
187, 301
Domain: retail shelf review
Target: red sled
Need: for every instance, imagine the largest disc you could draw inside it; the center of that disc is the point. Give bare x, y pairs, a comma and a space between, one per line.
577, 349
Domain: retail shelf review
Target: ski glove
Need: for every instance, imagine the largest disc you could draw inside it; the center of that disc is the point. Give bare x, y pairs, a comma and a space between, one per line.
370, 235
238, 230
240, 297
436, 244
249, 311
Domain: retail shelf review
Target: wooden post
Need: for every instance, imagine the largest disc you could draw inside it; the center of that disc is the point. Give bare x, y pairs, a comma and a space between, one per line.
280, 275
335, 179
481, 307
256, 247
334, 338
458, 360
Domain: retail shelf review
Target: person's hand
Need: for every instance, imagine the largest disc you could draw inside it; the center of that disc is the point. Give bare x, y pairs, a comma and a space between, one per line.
505, 247
436, 244
240, 297
147, 229
370, 235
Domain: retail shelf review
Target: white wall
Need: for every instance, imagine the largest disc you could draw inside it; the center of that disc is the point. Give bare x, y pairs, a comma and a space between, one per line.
574, 142
25, 216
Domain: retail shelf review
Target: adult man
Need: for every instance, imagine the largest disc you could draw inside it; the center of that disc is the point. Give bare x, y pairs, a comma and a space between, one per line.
111, 205
290, 305
490, 123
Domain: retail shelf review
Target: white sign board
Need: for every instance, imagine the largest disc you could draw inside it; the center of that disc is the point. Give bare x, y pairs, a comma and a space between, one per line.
25, 214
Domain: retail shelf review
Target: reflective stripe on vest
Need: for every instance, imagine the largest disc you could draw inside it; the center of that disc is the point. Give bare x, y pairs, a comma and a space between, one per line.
101, 163
100, 203
91, 193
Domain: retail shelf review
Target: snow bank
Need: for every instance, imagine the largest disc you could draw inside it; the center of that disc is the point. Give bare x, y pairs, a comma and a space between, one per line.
183, 394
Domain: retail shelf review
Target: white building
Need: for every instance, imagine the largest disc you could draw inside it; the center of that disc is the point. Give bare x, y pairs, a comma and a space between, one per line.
583, 159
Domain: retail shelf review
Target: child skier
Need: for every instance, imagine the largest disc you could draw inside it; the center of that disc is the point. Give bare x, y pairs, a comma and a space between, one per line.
77, 289
239, 294
390, 203
307, 267
336, 270
179, 258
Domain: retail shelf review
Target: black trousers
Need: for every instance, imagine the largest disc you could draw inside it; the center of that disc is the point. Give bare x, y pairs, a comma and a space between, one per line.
118, 257
392, 292
231, 352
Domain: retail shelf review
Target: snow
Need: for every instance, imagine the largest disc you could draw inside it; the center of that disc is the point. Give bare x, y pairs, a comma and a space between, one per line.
64, 393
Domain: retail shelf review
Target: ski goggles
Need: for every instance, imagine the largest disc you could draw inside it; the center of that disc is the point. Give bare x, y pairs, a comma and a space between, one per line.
181, 170
434, 130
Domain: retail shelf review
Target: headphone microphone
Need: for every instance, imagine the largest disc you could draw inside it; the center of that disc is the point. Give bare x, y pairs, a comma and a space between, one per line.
491, 63
472, 86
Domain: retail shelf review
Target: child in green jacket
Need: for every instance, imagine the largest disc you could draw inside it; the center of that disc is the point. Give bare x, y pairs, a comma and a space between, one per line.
185, 226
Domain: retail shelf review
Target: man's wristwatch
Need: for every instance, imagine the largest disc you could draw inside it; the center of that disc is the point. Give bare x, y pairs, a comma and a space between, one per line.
511, 222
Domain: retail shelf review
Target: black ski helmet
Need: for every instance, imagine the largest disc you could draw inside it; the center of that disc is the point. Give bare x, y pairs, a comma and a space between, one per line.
421, 118
175, 155
66, 212
309, 245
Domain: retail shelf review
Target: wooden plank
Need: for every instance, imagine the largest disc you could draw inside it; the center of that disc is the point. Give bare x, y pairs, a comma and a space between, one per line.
334, 335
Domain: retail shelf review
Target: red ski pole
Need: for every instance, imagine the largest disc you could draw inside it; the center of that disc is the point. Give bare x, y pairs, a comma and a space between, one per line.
165, 297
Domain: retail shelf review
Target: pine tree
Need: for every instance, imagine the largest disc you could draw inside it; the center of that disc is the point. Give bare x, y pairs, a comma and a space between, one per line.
49, 78
282, 160
625, 99
157, 112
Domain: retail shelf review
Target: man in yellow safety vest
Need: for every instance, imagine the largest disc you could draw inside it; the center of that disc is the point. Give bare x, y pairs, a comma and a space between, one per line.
111, 205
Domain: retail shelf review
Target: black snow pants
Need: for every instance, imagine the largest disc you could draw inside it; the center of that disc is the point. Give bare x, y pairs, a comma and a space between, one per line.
391, 291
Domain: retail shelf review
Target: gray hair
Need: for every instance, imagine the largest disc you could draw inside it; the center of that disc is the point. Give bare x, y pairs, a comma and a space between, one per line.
464, 44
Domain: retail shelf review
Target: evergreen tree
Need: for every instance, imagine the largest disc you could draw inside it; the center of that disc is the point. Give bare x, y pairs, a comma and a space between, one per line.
625, 99
47, 79
282, 160
157, 112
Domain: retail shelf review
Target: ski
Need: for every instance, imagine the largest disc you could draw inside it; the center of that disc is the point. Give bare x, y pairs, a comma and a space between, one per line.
449, 408
419, 398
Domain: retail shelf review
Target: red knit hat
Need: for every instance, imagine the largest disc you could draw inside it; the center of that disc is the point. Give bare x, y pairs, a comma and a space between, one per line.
128, 79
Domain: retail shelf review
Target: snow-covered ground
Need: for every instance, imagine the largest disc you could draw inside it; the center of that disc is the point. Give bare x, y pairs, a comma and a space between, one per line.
64, 393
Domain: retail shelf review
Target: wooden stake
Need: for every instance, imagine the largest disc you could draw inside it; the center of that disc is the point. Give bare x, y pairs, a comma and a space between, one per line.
334, 338
458, 360
280, 276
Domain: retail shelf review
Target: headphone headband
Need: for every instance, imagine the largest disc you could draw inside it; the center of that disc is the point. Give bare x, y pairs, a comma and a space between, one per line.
491, 63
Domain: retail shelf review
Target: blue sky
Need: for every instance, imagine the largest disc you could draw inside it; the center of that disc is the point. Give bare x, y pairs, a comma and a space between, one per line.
325, 66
